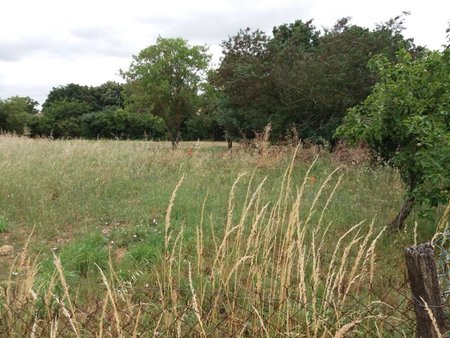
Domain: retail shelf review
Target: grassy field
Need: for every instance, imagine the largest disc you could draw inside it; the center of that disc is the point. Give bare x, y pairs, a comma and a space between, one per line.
197, 227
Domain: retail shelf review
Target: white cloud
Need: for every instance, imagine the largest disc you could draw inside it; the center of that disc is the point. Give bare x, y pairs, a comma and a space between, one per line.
49, 43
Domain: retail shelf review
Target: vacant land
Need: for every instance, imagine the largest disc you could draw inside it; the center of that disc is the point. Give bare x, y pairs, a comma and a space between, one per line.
198, 228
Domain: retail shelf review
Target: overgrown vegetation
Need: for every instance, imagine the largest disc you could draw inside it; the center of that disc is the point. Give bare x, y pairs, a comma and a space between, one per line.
285, 237
276, 240
301, 81
406, 120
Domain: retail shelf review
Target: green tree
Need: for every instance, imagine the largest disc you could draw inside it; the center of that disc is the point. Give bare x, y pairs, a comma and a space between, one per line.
72, 92
297, 77
108, 94
243, 84
318, 77
406, 120
62, 118
164, 80
66, 105
16, 114
121, 124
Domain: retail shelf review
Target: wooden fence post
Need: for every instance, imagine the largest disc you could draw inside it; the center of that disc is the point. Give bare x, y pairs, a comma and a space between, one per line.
424, 283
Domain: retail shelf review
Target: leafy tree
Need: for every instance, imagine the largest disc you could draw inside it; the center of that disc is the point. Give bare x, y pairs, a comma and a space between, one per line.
66, 105
164, 79
300, 77
62, 118
406, 120
298, 36
318, 77
121, 124
243, 84
16, 114
109, 94
72, 92
295, 73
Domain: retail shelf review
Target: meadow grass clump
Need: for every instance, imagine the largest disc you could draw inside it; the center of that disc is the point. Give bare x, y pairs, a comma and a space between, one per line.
80, 258
3, 225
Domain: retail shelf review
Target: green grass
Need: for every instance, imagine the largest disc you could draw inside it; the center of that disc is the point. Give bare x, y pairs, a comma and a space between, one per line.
3, 225
72, 187
103, 205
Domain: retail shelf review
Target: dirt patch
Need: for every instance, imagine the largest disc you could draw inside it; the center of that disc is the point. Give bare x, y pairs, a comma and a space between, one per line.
119, 253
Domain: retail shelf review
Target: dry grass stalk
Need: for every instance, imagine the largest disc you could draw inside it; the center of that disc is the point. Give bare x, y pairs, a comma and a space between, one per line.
167, 234
111, 297
71, 315
344, 330
195, 306
102, 316
135, 333
443, 222
432, 318
261, 321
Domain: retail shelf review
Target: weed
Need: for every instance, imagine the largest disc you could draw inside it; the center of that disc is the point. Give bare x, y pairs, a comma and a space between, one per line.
80, 257
3, 225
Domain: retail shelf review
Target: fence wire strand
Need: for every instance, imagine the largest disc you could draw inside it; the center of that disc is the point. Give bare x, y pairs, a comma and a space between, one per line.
390, 309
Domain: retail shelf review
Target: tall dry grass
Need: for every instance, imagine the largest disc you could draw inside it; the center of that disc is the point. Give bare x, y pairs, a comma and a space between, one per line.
270, 270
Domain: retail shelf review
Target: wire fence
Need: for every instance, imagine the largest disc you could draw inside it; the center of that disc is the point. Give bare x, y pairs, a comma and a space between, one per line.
441, 246
386, 312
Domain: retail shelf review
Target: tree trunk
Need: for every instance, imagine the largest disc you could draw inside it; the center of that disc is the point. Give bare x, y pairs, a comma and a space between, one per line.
174, 144
399, 221
174, 138
229, 140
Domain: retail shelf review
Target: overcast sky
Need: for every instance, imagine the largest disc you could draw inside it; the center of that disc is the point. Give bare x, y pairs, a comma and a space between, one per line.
48, 43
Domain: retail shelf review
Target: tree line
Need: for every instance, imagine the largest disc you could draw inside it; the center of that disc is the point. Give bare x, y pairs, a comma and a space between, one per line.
299, 78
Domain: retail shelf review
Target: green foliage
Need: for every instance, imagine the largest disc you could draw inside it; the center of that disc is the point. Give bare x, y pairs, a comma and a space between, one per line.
3, 225
125, 237
300, 77
122, 124
164, 80
406, 121
143, 254
243, 84
109, 94
71, 92
16, 114
85, 254
93, 112
318, 77
81, 257
62, 117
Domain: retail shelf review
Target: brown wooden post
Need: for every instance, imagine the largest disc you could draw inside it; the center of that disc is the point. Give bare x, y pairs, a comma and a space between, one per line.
424, 283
